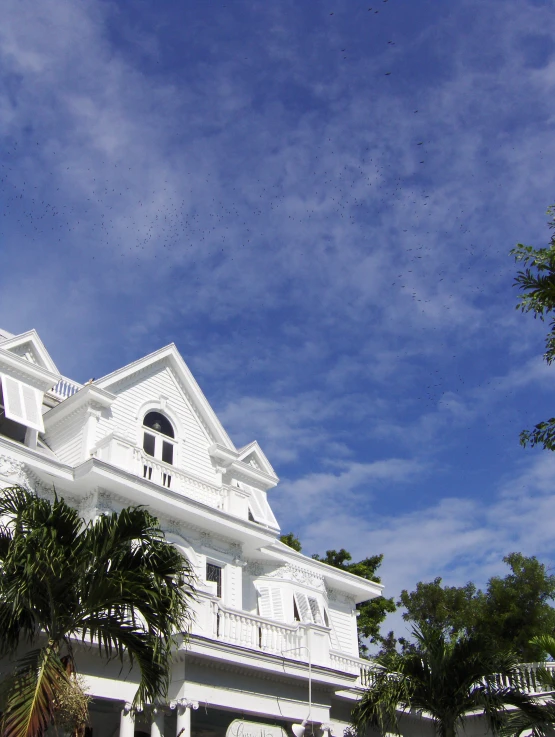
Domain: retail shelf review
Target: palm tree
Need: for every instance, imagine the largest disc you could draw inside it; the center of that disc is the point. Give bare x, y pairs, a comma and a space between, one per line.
541, 721
114, 584
445, 679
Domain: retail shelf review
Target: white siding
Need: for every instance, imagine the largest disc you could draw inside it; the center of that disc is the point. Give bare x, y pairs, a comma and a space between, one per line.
66, 438
344, 625
192, 440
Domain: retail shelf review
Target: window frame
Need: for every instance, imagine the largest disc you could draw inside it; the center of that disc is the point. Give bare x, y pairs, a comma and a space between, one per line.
160, 440
220, 581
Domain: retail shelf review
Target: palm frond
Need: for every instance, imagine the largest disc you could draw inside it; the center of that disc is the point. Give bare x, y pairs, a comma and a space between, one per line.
31, 696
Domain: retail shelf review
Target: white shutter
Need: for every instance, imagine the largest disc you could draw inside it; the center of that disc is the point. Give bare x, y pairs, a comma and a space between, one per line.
261, 509
22, 403
266, 509
277, 604
303, 607
256, 508
264, 602
315, 610
270, 603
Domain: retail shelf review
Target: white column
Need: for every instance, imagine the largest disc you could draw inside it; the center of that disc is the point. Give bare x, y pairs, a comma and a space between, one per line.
127, 722
184, 707
157, 724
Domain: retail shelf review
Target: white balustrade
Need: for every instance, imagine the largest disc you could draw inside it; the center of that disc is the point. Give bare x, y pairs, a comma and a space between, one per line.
256, 633
65, 388
359, 667
170, 477
526, 678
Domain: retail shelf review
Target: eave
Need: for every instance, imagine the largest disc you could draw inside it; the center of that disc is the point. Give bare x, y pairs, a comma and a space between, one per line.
348, 583
19, 367
89, 395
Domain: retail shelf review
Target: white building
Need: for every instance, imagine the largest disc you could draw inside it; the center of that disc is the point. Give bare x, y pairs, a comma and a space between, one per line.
271, 625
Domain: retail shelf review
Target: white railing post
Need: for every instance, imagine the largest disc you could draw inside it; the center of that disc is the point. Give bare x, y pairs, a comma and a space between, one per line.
183, 708
157, 724
127, 722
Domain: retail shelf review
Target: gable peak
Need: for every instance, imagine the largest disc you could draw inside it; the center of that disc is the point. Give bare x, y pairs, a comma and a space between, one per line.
31, 348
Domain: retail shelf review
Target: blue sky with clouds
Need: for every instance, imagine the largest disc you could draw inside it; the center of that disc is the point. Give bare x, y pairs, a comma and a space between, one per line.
316, 202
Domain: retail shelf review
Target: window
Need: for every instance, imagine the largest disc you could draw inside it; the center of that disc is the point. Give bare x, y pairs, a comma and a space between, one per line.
214, 575
158, 443
307, 609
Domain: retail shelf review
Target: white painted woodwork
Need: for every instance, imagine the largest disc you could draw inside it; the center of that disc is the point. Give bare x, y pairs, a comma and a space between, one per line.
22, 402
157, 724
251, 631
344, 625
183, 721
127, 723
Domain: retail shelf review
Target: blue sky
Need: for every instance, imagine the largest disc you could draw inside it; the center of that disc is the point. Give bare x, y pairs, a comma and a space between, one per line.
315, 201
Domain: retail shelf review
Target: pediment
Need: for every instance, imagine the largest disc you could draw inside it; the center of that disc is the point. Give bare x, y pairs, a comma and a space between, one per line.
253, 456
31, 348
169, 358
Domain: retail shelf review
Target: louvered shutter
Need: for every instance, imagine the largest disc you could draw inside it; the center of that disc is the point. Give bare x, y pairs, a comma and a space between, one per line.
256, 508
315, 610
277, 604
262, 500
22, 403
303, 607
264, 602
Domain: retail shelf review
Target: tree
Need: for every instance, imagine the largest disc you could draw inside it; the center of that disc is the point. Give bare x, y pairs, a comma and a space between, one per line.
373, 612
448, 678
114, 583
509, 613
292, 541
537, 284
452, 608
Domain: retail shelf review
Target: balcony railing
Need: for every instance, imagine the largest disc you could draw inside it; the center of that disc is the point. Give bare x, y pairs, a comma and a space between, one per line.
248, 630
363, 669
214, 620
527, 679
172, 478
65, 388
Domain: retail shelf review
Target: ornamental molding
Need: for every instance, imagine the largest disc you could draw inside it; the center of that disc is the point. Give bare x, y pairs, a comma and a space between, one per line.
220, 544
288, 572
65, 418
247, 480
13, 470
298, 574
340, 597
254, 568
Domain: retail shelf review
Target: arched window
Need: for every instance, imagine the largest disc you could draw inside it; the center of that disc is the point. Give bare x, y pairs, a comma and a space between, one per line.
158, 437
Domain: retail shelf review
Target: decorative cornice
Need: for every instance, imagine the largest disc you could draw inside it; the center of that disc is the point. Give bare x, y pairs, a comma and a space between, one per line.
297, 574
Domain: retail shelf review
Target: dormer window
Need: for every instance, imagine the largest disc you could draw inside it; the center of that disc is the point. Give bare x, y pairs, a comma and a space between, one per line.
158, 441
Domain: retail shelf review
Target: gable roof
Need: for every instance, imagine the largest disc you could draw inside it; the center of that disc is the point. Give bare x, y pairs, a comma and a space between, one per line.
170, 356
254, 455
29, 346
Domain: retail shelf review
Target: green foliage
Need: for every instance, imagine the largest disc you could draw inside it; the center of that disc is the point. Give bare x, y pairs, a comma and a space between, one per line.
516, 608
537, 284
452, 608
509, 613
115, 582
371, 613
292, 540
448, 678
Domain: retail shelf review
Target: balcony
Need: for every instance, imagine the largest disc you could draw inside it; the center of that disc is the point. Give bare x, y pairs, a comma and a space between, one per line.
217, 622
170, 477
